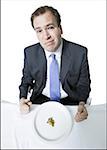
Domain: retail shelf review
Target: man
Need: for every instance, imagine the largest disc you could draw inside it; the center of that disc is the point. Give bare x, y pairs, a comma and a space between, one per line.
71, 59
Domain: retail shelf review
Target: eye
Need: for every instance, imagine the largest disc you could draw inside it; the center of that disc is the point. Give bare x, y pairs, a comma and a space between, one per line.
51, 27
39, 31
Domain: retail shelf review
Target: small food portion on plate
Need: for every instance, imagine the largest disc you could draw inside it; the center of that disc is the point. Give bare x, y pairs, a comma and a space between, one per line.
51, 121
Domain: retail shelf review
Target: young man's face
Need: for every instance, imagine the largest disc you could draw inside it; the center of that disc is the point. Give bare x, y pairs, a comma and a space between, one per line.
48, 32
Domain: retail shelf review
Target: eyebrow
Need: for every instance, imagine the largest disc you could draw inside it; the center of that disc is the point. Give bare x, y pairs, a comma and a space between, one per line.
49, 24
45, 26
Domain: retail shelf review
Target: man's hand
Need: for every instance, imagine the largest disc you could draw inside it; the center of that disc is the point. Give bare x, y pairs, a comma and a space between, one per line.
81, 112
25, 105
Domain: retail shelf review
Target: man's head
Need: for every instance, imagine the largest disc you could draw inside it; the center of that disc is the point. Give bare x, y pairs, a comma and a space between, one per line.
46, 22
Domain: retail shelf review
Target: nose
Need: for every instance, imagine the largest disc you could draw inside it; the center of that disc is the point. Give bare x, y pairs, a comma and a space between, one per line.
46, 34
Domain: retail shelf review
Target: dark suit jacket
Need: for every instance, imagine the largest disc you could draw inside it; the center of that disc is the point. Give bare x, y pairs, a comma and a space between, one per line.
74, 73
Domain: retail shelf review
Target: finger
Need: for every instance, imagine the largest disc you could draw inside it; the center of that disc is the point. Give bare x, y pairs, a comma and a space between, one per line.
79, 118
29, 103
26, 100
85, 110
82, 109
83, 113
24, 108
82, 116
23, 101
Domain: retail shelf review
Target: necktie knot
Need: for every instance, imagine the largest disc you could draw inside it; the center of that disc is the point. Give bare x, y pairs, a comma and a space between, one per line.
53, 56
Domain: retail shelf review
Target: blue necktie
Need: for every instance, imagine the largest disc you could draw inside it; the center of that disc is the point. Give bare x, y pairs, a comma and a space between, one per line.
54, 80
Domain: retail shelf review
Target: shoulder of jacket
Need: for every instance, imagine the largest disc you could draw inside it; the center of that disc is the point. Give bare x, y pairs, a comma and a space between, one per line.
32, 46
75, 45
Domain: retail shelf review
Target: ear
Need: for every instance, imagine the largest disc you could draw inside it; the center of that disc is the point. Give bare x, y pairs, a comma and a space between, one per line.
61, 29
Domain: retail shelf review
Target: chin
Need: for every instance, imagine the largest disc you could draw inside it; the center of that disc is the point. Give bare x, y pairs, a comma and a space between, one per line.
51, 49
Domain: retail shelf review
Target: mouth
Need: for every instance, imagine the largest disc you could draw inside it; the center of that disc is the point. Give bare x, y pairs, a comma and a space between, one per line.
49, 43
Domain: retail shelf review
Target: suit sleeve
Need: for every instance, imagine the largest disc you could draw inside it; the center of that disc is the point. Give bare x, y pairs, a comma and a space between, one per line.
83, 85
80, 90
26, 80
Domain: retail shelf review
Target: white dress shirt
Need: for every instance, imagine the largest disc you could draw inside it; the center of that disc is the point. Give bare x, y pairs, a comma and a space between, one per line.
58, 52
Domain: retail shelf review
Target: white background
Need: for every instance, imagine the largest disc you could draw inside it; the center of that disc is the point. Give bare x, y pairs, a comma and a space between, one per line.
83, 22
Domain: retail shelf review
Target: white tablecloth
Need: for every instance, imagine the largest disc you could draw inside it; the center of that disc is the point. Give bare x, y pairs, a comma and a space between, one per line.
17, 130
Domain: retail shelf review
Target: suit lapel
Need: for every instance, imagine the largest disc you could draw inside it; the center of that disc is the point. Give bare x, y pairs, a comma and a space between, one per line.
43, 64
65, 61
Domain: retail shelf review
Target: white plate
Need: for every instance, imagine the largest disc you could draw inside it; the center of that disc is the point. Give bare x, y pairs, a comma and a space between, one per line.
62, 121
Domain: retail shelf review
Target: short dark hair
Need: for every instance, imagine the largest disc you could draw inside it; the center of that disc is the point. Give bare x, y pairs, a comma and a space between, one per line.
44, 9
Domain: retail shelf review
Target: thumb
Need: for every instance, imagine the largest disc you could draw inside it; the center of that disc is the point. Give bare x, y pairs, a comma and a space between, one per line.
29, 103
80, 108
26, 100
